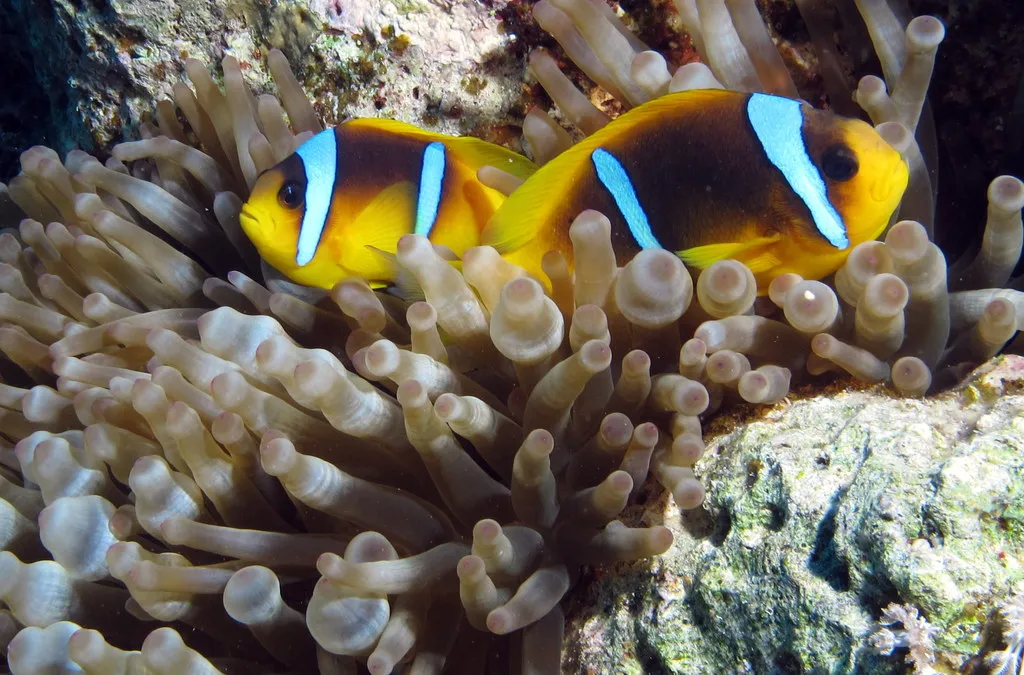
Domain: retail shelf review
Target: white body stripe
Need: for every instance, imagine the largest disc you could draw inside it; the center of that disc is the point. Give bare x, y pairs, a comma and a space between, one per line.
777, 123
613, 176
319, 157
431, 179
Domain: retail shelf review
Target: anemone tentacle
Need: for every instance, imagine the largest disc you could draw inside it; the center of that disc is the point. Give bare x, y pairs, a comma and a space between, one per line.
431, 476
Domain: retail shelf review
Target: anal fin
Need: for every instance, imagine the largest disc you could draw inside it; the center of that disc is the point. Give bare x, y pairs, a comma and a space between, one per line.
402, 282
762, 263
744, 251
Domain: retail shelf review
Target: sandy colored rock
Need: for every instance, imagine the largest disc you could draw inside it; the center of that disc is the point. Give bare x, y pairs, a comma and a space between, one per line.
445, 66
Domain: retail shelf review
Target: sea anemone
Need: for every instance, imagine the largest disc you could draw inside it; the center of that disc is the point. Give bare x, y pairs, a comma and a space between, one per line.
198, 442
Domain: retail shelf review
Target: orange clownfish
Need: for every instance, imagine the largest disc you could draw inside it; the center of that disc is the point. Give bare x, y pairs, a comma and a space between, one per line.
714, 175
337, 206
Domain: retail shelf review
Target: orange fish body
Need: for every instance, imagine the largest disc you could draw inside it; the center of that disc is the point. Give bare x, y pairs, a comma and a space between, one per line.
337, 206
713, 175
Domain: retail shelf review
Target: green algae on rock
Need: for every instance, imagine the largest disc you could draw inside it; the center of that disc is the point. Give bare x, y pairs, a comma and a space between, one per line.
818, 511
100, 66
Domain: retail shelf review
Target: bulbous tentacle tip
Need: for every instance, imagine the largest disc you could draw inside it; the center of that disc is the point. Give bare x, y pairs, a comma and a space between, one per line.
925, 33
1007, 194
896, 135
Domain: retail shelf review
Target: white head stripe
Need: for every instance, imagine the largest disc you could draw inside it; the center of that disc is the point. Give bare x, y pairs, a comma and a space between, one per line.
319, 157
777, 123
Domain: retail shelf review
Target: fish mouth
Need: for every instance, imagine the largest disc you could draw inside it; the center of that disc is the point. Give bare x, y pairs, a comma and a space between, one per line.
248, 220
897, 176
260, 231
264, 232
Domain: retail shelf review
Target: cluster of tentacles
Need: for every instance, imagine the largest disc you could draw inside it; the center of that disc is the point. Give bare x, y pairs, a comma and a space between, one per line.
295, 481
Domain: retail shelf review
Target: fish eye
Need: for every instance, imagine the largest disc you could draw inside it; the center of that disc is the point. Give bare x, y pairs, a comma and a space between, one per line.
839, 163
290, 195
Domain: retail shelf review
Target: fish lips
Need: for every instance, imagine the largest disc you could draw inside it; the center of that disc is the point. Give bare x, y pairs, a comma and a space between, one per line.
249, 221
893, 182
263, 231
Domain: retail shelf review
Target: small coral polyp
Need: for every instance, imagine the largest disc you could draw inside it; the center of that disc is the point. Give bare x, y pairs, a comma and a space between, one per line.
190, 439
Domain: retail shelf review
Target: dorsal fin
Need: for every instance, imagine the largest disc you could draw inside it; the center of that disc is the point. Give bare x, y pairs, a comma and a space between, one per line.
471, 151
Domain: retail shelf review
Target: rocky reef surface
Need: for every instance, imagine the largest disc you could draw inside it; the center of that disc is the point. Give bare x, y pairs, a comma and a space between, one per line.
97, 67
818, 510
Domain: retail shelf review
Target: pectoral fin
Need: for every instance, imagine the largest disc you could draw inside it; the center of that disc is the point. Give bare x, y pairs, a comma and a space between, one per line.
378, 228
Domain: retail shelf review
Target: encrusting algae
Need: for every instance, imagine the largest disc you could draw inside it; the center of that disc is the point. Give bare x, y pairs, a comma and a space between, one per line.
193, 441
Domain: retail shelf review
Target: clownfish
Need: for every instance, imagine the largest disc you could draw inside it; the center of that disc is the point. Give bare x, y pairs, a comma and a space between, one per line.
337, 206
714, 175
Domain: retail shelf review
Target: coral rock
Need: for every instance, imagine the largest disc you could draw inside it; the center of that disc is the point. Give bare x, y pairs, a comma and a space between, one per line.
818, 510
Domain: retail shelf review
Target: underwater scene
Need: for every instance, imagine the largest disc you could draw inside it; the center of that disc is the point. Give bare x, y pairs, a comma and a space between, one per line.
512, 337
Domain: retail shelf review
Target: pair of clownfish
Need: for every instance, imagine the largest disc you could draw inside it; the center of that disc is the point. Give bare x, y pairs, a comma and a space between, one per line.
708, 174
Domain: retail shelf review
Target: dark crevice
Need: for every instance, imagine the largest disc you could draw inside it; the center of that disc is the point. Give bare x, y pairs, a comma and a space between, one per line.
723, 526
777, 517
704, 523
649, 656
788, 663
645, 623
824, 561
